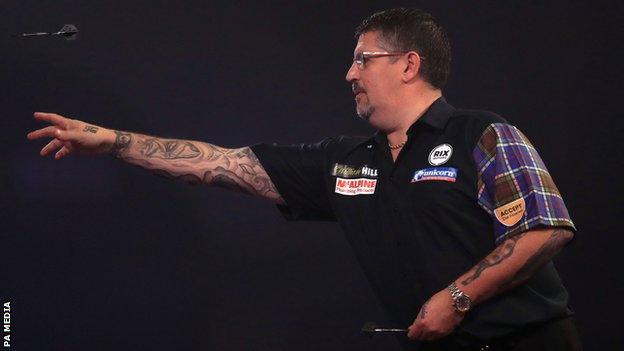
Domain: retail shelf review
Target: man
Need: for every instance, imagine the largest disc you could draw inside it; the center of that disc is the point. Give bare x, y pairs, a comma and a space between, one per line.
451, 213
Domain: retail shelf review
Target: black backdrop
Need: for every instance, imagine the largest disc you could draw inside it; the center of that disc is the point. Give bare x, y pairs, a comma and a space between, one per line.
98, 255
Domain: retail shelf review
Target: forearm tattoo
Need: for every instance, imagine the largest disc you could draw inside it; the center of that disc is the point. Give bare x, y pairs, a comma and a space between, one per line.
90, 129
501, 253
545, 253
199, 163
122, 141
168, 149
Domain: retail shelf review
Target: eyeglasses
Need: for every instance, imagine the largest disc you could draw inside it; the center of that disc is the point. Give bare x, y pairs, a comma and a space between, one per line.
360, 59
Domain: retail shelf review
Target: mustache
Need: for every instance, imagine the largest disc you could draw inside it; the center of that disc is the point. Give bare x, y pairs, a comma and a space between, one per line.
356, 89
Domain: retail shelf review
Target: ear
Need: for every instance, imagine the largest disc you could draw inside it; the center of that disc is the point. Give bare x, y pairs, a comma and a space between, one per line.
412, 68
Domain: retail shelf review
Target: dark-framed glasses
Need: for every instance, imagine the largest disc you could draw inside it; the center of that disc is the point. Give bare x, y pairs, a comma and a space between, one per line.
361, 58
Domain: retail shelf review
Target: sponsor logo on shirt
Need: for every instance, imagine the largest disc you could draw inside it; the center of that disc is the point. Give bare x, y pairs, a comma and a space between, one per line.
447, 174
358, 186
346, 171
511, 213
440, 154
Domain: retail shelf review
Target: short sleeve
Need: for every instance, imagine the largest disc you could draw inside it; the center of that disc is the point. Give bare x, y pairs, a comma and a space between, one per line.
298, 172
513, 185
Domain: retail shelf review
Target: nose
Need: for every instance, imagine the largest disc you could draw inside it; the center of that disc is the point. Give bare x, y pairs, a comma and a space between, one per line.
352, 73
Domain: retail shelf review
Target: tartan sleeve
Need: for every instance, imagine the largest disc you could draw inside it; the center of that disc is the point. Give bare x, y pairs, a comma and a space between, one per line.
513, 185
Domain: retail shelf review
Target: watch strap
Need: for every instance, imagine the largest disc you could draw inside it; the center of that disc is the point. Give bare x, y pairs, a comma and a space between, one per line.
456, 295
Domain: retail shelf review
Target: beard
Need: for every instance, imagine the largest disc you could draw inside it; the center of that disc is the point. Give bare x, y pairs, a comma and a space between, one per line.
365, 112
364, 109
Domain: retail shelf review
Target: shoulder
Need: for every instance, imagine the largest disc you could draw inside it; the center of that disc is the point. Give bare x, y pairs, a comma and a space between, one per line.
473, 123
343, 143
326, 146
321, 151
350, 141
338, 147
476, 118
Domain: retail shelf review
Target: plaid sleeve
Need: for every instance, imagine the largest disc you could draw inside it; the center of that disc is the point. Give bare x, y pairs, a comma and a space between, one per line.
513, 185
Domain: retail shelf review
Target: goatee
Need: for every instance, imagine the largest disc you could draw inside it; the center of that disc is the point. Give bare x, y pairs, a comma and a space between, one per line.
366, 113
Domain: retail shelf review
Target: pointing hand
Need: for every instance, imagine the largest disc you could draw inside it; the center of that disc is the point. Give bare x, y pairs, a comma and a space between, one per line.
72, 136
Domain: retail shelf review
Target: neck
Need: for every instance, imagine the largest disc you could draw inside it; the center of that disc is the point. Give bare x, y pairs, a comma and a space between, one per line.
409, 112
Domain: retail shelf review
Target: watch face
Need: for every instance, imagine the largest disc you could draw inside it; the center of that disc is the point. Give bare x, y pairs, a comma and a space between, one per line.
462, 303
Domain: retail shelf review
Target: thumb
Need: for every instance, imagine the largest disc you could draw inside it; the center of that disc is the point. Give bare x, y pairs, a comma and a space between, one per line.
413, 331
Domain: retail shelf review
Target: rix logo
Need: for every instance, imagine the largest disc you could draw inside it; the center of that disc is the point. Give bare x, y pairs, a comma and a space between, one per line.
440, 154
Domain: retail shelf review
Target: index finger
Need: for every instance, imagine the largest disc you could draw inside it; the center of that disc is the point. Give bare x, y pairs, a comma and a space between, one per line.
52, 118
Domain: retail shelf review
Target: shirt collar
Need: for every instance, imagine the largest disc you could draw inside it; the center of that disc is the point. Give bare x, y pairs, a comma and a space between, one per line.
436, 116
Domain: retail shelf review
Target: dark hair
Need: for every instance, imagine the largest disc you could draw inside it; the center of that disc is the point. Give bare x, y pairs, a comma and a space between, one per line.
406, 29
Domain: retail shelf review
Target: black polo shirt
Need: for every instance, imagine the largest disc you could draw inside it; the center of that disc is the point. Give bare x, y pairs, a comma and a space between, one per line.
461, 184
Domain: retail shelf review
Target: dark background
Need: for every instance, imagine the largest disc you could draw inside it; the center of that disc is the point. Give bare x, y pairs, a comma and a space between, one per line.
99, 255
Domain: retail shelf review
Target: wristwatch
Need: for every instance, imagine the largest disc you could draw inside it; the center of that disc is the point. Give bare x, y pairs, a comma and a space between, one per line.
461, 301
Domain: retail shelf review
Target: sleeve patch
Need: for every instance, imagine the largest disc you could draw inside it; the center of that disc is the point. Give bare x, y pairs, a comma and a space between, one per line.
511, 213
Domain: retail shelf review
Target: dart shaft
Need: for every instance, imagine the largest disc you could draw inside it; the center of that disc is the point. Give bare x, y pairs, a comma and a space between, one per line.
391, 330
34, 34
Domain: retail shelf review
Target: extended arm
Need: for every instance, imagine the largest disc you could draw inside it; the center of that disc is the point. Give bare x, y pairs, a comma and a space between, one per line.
190, 161
197, 163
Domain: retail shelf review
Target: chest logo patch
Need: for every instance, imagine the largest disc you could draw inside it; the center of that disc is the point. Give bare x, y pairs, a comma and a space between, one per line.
357, 186
346, 171
511, 213
440, 154
446, 174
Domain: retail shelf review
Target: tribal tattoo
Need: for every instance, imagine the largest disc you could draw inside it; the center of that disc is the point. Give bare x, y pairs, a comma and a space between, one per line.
545, 253
501, 253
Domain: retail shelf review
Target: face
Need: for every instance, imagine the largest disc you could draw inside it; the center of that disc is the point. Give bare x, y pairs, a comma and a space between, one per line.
373, 85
